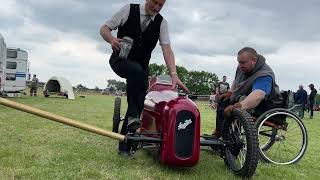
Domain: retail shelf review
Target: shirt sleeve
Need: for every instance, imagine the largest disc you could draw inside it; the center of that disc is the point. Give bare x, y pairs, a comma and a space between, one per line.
263, 83
119, 18
164, 33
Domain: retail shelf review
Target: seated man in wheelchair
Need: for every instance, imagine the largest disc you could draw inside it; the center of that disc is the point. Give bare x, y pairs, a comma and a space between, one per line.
255, 84
254, 88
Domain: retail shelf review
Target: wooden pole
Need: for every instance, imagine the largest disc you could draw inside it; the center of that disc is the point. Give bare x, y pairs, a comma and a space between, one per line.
61, 119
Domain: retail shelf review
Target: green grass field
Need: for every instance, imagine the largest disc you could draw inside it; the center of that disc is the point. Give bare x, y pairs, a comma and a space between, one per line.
35, 148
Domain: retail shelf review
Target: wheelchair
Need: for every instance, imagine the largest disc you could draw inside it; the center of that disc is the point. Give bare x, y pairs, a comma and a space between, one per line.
298, 109
283, 138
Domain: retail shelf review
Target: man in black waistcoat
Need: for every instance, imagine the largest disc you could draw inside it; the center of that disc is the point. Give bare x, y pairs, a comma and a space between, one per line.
143, 24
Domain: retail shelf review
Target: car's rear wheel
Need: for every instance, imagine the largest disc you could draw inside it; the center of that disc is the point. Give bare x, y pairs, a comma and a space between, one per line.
241, 153
116, 115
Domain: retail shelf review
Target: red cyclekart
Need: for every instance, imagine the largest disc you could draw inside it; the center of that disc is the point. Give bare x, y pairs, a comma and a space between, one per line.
171, 127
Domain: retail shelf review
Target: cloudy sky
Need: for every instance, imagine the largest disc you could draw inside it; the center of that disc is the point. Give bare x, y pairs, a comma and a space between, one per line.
62, 36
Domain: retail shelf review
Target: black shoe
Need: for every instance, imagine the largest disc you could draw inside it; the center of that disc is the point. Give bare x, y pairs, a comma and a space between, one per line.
133, 123
124, 153
124, 149
216, 133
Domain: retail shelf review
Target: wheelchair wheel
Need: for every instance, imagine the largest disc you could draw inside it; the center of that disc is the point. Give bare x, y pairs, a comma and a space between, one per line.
241, 152
298, 110
116, 115
282, 135
267, 137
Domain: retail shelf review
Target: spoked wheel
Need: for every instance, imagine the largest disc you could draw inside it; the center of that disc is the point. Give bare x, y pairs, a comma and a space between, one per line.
116, 115
241, 153
283, 137
298, 110
267, 137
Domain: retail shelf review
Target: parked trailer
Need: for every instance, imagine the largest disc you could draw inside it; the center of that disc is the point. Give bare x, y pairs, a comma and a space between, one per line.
3, 56
14, 69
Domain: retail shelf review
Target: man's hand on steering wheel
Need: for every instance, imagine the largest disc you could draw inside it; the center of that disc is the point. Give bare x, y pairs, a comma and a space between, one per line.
228, 111
177, 81
225, 97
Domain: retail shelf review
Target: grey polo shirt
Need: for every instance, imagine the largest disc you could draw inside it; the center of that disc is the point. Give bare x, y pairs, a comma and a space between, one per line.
120, 17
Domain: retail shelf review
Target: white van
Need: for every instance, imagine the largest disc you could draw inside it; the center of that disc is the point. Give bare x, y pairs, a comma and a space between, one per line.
13, 69
3, 57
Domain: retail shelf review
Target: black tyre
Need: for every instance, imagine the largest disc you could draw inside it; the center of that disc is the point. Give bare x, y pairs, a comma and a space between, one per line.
241, 153
116, 115
289, 142
298, 110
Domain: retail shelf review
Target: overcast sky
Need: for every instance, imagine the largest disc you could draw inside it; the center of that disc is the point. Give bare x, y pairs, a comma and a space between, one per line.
62, 37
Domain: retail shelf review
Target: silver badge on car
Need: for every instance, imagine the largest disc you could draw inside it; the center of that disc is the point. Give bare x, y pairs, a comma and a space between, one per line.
185, 124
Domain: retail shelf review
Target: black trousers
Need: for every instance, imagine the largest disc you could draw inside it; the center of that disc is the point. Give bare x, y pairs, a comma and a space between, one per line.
137, 84
221, 106
303, 109
219, 119
311, 109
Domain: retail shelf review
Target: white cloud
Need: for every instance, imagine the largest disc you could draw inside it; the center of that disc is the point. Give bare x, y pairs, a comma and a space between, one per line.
62, 37
296, 63
8, 9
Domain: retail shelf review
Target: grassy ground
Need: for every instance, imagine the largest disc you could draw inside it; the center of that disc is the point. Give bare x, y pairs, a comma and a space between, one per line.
34, 148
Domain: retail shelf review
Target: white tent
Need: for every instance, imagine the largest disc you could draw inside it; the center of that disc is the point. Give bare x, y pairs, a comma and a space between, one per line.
60, 86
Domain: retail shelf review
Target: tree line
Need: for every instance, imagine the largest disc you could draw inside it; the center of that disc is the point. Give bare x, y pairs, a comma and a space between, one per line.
198, 82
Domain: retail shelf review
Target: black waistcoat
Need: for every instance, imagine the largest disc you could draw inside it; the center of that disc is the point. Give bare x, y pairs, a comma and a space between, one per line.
143, 43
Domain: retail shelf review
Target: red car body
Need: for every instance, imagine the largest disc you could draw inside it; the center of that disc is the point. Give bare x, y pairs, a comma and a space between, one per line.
176, 120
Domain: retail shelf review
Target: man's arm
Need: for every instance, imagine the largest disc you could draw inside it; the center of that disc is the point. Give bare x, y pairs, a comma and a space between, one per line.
295, 97
218, 89
313, 94
170, 61
233, 86
253, 99
118, 19
105, 32
305, 97
169, 57
262, 87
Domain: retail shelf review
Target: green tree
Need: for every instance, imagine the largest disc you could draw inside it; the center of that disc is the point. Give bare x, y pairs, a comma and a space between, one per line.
183, 73
121, 86
198, 82
81, 87
318, 99
116, 85
112, 89
97, 88
155, 69
201, 82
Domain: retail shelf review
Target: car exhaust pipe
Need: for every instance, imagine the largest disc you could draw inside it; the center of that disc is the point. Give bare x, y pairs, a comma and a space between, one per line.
61, 119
